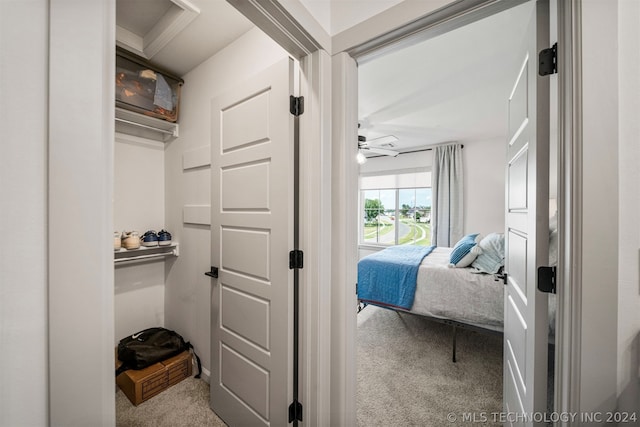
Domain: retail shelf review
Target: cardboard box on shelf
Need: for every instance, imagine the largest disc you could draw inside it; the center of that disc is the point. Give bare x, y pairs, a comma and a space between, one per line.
142, 384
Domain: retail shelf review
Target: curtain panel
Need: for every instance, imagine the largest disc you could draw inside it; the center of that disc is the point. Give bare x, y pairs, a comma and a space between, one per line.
447, 189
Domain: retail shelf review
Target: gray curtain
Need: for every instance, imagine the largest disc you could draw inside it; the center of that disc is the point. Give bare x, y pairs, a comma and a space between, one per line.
446, 188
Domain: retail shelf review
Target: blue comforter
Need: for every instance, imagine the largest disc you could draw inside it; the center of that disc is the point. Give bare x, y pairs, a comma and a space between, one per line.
388, 277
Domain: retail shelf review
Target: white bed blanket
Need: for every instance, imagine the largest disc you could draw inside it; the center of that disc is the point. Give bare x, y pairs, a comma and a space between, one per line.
458, 293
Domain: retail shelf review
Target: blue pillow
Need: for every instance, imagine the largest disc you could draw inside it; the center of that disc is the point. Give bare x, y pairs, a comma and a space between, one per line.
462, 254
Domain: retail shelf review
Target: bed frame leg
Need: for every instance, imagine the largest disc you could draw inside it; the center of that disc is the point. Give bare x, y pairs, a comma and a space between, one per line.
455, 333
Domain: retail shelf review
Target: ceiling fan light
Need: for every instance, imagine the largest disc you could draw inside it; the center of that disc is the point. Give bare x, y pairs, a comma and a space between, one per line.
361, 158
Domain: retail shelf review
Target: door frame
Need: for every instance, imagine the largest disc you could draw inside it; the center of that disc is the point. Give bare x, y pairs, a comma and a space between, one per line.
343, 245
570, 201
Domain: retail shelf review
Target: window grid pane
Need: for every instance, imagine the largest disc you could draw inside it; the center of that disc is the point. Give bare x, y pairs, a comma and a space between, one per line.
410, 215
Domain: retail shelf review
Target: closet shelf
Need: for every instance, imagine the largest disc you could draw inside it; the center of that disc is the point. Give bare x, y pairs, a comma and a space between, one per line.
139, 125
124, 255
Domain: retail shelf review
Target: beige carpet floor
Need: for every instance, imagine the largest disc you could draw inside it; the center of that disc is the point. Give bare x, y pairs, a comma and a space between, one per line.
406, 376
185, 404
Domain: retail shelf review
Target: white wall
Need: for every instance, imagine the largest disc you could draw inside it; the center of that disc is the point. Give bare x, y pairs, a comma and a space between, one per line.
188, 290
484, 186
23, 213
629, 231
81, 138
344, 14
56, 184
138, 185
138, 204
421, 159
371, 21
598, 365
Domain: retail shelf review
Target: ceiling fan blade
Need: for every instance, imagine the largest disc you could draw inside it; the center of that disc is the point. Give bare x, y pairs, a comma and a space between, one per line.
382, 140
382, 151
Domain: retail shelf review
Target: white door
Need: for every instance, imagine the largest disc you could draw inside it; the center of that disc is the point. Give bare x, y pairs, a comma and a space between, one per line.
527, 232
252, 234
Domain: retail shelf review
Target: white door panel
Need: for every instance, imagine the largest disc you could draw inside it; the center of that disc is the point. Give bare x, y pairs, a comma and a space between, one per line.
252, 234
245, 380
253, 179
526, 234
246, 252
236, 133
245, 315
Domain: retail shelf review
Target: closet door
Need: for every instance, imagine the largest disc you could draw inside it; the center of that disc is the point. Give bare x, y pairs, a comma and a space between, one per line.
252, 234
527, 231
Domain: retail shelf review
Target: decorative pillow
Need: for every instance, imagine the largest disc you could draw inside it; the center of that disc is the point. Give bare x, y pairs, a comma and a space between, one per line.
492, 256
463, 253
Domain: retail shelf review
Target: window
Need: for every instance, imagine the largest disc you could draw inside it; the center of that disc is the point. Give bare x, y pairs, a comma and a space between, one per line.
396, 209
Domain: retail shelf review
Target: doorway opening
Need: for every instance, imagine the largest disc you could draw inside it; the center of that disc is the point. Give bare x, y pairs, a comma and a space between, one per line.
449, 88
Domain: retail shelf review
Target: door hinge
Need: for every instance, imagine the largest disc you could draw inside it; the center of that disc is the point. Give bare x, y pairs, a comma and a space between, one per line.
548, 60
295, 259
296, 105
547, 279
295, 411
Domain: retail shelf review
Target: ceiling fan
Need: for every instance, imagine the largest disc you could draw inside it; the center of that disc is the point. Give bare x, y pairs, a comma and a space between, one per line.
381, 145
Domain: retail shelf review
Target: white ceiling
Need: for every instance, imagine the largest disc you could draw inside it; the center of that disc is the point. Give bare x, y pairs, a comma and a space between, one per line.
338, 15
213, 26
450, 88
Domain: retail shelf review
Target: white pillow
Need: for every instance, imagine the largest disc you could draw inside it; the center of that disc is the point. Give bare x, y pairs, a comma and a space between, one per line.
553, 222
492, 256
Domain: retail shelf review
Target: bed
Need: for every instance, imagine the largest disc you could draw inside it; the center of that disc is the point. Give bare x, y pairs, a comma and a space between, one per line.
423, 281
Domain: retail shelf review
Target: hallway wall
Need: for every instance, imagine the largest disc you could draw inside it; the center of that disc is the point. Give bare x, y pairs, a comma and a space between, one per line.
629, 229
23, 213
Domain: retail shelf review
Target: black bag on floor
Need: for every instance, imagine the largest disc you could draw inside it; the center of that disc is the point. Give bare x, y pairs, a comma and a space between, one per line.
151, 346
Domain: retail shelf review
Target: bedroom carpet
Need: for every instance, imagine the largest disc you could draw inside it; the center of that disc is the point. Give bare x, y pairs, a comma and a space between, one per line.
406, 376
185, 404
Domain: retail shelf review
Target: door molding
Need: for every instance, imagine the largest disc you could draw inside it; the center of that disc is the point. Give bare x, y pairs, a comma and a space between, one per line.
299, 39
451, 17
315, 239
344, 215
570, 227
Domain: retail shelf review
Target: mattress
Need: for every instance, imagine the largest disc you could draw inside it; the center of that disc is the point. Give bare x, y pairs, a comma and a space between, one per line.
458, 294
